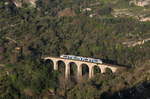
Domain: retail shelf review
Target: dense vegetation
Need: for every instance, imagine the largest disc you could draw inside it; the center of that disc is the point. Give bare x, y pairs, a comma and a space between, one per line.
28, 34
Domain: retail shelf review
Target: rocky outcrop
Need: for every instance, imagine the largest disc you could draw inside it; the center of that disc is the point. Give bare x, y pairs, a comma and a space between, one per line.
145, 19
135, 43
141, 3
66, 12
19, 3
31, 2
122, 13
141, 15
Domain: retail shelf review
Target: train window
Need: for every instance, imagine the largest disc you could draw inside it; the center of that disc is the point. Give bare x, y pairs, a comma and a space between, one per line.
65, 56
86, 59
82, 59
91, 61
95, 60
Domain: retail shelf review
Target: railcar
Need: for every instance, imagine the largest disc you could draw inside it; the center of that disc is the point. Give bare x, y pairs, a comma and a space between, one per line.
92, 60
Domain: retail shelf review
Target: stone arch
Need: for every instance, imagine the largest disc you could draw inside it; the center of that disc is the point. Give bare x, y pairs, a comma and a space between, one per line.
96, 69
85, 70
108, 70
73, 71
61, 66
50, 64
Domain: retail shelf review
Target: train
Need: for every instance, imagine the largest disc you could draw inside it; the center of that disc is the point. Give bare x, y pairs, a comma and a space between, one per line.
79, 58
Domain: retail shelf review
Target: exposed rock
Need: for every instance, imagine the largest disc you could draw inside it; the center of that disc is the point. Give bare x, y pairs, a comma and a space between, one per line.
28, 92
31, 2
141, 15
92, 15
67, 12
145, 19
135, 43
141, 3
2, 65
19, 3
123, 12
87, 9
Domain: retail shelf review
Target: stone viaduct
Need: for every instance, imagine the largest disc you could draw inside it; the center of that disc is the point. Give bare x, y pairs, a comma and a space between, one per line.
79, 65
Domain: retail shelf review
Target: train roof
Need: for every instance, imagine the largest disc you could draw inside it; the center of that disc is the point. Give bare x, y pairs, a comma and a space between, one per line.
83, 57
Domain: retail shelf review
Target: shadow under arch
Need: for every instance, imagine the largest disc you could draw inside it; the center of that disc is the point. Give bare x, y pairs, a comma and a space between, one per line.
85, 71
49, 64
96, 69
108, 70
73, 71
61, 67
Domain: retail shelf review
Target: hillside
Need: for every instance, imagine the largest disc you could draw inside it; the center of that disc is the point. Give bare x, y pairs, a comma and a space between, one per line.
113, 31
138, 9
